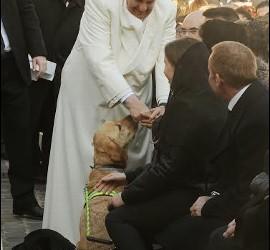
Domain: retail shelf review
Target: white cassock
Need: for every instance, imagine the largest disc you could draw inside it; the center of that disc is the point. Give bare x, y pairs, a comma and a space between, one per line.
114, 54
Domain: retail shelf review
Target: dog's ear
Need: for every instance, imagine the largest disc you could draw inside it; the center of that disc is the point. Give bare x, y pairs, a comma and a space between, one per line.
116, 153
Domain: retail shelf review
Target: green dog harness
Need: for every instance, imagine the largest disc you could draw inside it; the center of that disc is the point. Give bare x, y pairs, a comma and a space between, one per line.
88, 196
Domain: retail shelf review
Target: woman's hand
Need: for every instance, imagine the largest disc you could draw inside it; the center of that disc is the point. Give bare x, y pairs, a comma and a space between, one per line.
149, 117
111, 181
116, 201
230, 230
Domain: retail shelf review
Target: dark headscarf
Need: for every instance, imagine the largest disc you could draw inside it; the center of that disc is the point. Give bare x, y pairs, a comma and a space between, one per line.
194, 115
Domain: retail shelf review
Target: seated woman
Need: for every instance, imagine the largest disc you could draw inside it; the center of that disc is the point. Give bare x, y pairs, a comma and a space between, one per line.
184, 138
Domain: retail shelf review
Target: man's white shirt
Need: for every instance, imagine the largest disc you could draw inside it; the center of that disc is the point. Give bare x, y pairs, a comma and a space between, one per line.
5, 37
236, 97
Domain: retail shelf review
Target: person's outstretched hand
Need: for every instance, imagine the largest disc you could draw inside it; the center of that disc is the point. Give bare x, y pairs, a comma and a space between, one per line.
135, 107
110, 182
148, 118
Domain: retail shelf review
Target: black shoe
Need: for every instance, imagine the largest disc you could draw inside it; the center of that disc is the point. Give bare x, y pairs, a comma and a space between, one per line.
34, 212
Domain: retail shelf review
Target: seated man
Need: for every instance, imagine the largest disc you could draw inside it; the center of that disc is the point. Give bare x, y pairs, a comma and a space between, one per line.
239, 150
250, 231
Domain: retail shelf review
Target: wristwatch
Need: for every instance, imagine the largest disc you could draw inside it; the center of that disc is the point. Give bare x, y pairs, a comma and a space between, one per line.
214, 193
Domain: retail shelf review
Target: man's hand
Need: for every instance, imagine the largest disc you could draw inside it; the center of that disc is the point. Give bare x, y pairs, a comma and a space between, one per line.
116, 201
111, 181
135, 107
197, 206
230, 230
39, 64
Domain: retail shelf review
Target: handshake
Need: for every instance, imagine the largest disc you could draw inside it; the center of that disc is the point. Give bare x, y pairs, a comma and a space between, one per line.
141, 113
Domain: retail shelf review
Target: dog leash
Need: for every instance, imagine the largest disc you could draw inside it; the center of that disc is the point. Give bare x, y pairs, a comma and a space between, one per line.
88, 196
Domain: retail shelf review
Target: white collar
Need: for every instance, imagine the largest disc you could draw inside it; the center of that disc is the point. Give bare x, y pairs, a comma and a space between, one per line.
236, 97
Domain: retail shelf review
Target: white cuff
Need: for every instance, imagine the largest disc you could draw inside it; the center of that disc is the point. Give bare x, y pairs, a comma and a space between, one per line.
122, 99
162, 99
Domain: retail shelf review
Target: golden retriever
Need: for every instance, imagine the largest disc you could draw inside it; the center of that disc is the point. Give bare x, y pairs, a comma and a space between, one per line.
110, 154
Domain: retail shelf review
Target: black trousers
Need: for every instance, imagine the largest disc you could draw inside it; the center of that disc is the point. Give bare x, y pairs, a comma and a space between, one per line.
16, 130
132, 227
43, 97
42, 119
218, 242
188, 233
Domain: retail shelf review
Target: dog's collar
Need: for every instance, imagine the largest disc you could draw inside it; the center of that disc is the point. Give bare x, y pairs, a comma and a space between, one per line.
108, 168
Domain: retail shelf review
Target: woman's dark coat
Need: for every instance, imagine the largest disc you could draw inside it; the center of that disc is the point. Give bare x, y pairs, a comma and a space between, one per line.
186, 133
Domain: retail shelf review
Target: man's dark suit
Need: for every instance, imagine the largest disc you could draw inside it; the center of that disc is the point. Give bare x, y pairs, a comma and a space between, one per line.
60, 27
240, 155
238, 159
22, 27
24, 34
252, 226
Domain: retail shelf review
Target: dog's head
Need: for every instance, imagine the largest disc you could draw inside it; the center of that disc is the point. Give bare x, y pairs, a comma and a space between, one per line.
111, 141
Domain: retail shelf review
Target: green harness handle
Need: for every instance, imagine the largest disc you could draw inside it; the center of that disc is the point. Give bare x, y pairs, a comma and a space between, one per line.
88, 196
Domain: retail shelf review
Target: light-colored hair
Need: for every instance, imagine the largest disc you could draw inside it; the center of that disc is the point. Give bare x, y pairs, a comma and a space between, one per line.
234, 62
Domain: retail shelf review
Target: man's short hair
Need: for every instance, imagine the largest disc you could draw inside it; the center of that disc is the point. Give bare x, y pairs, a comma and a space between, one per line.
224, 13
234, 62
215, 31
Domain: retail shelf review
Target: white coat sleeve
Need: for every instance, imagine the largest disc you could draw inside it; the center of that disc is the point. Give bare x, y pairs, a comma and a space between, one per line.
95, 40
162, 83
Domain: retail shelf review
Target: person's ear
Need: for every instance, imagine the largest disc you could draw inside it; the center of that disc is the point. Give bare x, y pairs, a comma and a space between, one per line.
219, 81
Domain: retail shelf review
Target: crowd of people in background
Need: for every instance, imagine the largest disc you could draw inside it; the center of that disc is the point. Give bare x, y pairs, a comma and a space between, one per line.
209, 62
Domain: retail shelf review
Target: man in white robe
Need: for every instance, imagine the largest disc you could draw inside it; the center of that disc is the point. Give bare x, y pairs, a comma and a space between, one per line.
107, 76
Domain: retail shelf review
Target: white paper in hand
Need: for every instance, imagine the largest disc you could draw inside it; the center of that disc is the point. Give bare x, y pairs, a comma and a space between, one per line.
48, 74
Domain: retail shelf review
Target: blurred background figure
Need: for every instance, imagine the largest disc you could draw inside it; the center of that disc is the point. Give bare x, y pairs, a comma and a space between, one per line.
196, 5
191, 24
244, 14
262, 8
257, 32
214, 2
251, 33
182, 10
215, 31
185, 7
221, 13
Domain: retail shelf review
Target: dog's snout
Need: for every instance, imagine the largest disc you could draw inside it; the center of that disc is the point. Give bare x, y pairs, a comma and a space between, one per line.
130, 122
